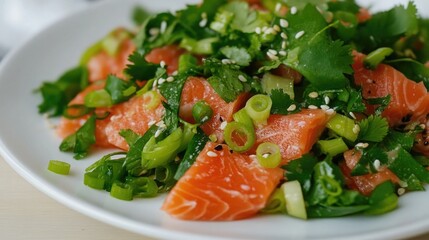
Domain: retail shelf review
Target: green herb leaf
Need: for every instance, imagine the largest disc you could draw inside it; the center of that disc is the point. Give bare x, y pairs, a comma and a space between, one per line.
301, 169
80, 141
282, 102
139, 15
117, 89
373, 129
140, 69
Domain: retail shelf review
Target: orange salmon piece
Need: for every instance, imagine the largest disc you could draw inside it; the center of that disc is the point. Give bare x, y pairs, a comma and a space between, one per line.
365, 184
196, 89
222, 186
409, 100
295, 134
102, 64
169, 54
132, 114
67, 126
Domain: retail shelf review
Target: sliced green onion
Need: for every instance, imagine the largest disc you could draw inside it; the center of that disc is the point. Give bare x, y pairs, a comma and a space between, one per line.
129, 91
203, 46
239, 137
189, 131
151, 100
144, 187
330, 185
241, 116
270, 82
186, 62
98, 98
165, 173
258, 108
332, 147
90, 52
157, 154
295, 205
122, 191
202, 112
376, 57
76, 111
268, 155
59, 167
148, 85
343, 126
276, 203
93, 180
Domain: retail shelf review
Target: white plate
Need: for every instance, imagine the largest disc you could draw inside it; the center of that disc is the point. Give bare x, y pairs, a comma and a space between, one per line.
27, 144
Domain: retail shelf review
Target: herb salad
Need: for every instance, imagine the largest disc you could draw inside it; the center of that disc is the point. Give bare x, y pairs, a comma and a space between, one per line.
309, 108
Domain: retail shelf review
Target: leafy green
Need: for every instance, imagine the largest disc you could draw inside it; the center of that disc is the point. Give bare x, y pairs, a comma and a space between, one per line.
373, 129
366, 162
139, 15
117, 87
224, 78
382, 103
383, 199
140, 69
281, 102
403, 164
334, 211
413, 69
80, 141
239, 55
301, 170
56, 95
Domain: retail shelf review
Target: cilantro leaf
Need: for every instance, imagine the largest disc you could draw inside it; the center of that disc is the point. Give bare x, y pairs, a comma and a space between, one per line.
373, 129
404, 165
413, 69
224, 78
139, 15
281, 102
117, 88
382, 103
140, 69
301, 169
366, 162
80, 141
402, 139
239, 55
56, 95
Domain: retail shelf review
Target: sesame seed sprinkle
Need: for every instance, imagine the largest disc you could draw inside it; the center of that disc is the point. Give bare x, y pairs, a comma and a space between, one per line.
226, 61
211, 154
293, 10
265, 155
324, 107
423, 126
327, 100
377, 164
163, 27
356, 129
161, 81
299, 34
170, 79
312, 107
276, 28
291, 108
203, 22
284, 45
159, 131
272, 56
175, 73
272, 51
401, 191
258, 30
330, 111
283, 35
362, 145
282, 53
270, 31
242, 78
151, 123
284, 23
223, 125
278, 7
352, 115
162, 64
154, 31
313, 95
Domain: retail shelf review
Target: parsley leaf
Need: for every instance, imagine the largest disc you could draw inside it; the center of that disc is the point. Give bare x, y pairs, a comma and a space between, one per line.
373, 129
56, 95
281, 102
224, 78
80, 141
140, 69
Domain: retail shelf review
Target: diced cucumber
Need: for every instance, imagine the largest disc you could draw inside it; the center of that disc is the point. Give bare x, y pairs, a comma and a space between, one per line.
295, 205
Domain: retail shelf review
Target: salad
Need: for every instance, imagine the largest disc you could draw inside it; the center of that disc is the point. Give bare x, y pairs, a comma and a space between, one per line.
312, 109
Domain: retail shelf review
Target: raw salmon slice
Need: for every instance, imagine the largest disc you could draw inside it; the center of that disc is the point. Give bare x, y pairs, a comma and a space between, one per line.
169, 54
409, 100
67, 126
102, 64
364, 183
196, 89
295, 134
134, 115
221, 186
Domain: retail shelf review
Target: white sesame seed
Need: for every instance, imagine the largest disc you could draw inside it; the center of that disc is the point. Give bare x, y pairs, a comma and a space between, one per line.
154, 31
352, 115
161, 81
175, 73
284, 45
283, 35
293, 10
159, 131
242, 78
270, 31
324, 107
272, 51
211, 154
155, 83
258, 30
223, 125
253, 157
160, 123
170, 79
272, 56
403, 184
312, 107
313, 95
265, 28
203, 22
291, 108
327, 100
265, 155
423, 126
282, 53
226, 61
163, 27
362, 145
162, 64
330, 111
278, 7
284, 23
356, 129
276, 28
299, 34
151, 123
401, 191
377, 164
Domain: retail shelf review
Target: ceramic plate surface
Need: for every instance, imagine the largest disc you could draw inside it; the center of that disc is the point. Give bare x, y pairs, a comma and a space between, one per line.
27, 143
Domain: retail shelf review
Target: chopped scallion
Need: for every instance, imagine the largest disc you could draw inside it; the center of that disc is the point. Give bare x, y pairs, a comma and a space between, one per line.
239, 136
268, 155
59, 167
122, 191
258, 108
